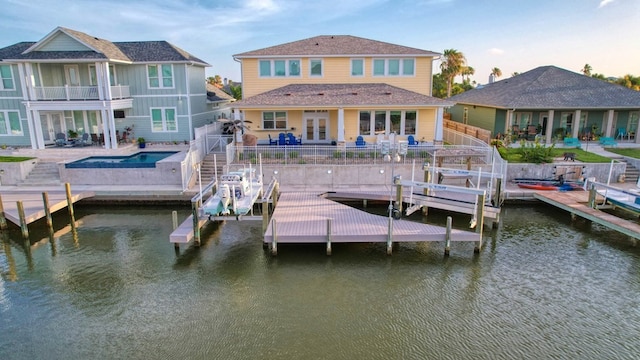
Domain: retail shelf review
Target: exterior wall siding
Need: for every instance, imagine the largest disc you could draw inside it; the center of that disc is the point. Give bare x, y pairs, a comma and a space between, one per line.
63, 42
335, 71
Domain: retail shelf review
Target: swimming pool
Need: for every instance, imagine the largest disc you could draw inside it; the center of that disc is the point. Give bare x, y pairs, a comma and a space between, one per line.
143, 159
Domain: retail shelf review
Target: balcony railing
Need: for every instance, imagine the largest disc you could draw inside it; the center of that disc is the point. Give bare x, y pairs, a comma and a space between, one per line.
78, 92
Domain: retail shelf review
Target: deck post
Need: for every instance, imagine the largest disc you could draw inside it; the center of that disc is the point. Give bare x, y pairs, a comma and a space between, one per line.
480, 224
447, 237
274, 242
47, 211
497, 198
592, 196
23, 220
3, 219
276, 190
196, 222
174, 220
397, 180
67, 188
265, 215
390, 235
329, 237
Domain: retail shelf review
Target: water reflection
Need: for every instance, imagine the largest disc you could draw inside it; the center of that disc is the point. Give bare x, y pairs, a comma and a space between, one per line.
542, 287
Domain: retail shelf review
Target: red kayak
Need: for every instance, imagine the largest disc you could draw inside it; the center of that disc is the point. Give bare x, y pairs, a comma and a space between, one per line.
538, 186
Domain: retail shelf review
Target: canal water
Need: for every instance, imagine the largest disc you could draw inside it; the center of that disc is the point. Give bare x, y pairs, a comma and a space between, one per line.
541, 288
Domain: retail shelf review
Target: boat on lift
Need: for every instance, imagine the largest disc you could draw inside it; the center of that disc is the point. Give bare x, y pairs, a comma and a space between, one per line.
237, 192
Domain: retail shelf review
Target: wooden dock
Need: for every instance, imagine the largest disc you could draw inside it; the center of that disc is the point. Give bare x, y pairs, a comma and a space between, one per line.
33, 203
576, 202
302, 217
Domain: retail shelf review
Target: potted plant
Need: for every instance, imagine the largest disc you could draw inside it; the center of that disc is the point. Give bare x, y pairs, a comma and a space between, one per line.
72, 134
142, 143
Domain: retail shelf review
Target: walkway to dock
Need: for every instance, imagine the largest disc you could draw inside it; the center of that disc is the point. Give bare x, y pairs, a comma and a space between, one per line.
576, 202
303, 217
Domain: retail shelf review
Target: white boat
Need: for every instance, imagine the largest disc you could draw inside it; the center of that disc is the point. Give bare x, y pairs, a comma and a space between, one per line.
621, 198
236, 194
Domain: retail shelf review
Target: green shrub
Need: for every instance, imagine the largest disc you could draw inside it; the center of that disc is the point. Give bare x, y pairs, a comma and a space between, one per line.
349, 154
535, 152
278, 155
362, 155
337, 154
293, 154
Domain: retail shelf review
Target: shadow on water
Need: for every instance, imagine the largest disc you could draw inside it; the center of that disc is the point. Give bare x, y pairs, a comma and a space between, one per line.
210, 233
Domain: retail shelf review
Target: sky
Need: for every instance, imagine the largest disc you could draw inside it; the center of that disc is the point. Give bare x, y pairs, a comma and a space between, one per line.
512, 35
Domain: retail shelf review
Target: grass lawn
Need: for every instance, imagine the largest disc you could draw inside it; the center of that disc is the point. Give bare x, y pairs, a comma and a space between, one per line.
634, 153
14, 158
512, 155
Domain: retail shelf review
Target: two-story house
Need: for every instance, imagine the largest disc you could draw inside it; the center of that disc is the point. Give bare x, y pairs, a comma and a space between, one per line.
335, 88
70, 80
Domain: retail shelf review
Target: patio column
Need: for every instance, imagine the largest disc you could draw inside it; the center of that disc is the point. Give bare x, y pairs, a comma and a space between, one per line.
576, 127
508, 122
549, 127
438, 139
609, 124
341, 125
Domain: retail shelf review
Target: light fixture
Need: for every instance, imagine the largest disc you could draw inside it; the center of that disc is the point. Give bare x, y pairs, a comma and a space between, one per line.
329, 171
275, 172
173, 170
381, 171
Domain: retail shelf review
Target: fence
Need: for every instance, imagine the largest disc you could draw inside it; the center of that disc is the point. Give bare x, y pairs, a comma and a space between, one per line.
474, 132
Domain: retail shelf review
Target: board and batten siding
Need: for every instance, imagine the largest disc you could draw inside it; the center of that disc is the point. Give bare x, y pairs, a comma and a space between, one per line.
335, 71
63, 42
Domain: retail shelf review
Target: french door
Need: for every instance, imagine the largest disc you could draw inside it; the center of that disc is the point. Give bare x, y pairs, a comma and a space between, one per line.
316, 127
52, 123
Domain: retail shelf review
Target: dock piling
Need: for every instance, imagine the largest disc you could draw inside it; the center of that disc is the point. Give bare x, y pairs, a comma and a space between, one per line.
47, 211
329, 237
174, 220
480, 224
23, 220
447, 237
3, 220
196, 222
274, 242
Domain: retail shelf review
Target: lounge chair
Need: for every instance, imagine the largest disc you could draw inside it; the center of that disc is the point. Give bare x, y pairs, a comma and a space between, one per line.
272, 141
293, 140
85, 140
61, 139
412, 141
360, 141
282, 139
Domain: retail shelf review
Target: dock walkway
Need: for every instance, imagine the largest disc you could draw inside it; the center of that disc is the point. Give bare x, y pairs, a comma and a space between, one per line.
576, 202
303, 217
33, 203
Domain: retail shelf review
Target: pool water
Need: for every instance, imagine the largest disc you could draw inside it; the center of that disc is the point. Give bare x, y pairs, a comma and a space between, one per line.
143, 159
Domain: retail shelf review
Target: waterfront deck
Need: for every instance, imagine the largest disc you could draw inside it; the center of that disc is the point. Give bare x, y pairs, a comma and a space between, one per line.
576, 202
33, 203
309, 218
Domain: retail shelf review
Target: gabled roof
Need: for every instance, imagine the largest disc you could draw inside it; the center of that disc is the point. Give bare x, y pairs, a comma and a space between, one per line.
336, 45
550, 87
215, 94
340, 95
99, 49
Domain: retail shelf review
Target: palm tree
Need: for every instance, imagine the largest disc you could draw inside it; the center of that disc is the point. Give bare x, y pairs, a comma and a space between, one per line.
496, 72
235, 127
453, 62
587, 69
215, 80
468, 71
515, 73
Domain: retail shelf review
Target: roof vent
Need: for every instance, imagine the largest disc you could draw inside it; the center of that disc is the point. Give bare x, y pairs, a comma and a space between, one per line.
354, 93
287, 94
317, 44
320, 93
387, 92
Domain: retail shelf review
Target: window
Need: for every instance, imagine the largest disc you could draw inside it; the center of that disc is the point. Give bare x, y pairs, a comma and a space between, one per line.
274, 120
393, 67
566, 122
160, 76
279, 68
357, 67
6, 78
163, 120
10, 123
93, 77
386, 122
315, 67
633, 121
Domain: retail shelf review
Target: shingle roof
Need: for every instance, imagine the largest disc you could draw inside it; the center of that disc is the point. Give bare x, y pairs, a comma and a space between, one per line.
336, 45
550, 87
140, 51
340, 95
216, 94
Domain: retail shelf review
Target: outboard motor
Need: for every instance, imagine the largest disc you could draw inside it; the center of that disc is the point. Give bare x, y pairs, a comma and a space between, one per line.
225, 198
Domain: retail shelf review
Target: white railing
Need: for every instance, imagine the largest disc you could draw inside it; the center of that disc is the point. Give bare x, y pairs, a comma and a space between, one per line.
78, 92
457, 138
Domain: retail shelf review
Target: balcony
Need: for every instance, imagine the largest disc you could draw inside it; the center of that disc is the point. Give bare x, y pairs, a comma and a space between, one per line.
58, 93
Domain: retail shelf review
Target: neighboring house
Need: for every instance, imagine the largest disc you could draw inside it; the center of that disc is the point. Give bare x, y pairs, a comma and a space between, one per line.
82, 83
335, 88
219, 101
555, 102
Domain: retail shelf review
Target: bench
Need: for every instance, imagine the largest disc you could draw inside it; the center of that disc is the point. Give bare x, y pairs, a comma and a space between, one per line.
608, 141
572, 142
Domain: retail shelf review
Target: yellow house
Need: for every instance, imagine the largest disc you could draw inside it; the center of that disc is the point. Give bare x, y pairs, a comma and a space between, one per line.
334, 88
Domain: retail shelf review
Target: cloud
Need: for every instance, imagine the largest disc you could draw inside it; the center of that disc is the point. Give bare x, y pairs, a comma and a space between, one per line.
495, 51
604, 3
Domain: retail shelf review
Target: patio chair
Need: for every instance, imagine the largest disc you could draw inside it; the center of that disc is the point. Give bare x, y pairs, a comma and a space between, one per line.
61, 139
532, 131
85, 140
360, 141
94, 139
293, 140
282, 139
412, 141
622, 132
272, 141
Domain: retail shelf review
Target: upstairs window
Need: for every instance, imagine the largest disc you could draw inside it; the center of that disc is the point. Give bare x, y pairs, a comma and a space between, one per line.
93, 77
393, 67
10, 123
6, 78
279, 68
160, 76
357, 67
315, 67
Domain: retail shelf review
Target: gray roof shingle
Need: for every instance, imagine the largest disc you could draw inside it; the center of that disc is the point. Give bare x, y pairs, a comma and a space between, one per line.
340, 95
139, 51
550, 87
216, 94
336, 45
